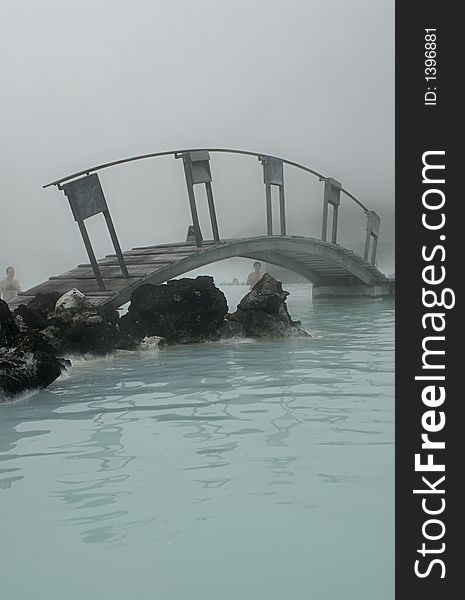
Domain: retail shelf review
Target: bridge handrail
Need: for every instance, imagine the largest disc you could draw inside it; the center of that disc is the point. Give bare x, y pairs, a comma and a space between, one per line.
114, 163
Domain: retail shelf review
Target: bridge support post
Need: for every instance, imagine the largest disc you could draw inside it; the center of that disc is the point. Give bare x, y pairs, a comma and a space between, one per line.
117, 247
282, 210
373, 223
91, 255
197, 170
273, 174
192, 203
211, 208
86, 198
269, 210
332, 195
324, 222
334, 233
373, 250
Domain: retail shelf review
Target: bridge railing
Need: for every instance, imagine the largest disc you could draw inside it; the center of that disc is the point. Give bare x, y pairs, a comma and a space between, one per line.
86, 198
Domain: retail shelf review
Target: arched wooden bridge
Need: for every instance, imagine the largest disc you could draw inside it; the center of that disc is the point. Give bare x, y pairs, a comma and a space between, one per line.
111, 280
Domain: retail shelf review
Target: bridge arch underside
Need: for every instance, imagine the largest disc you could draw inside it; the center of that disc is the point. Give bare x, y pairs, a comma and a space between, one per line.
320, 262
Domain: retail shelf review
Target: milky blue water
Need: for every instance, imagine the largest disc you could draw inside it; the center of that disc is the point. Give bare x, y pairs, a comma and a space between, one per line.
252, 470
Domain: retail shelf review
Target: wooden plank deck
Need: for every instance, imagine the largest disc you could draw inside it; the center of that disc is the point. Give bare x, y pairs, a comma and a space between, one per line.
141, 262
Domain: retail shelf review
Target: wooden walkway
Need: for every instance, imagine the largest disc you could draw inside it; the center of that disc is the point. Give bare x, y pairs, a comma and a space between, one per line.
320, 262
141, 263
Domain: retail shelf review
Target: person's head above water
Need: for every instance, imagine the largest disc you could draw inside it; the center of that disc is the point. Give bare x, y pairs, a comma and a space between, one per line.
10, 272
257, 266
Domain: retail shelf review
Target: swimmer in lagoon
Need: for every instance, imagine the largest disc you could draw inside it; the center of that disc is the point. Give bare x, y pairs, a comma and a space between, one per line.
255, 275
9, 287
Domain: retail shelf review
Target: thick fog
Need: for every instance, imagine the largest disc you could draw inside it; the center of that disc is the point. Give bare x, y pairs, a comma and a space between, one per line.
90, 81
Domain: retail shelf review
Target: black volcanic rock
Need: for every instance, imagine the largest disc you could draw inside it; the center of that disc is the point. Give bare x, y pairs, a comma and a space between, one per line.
27, 361
38, 310
263, 311
21, 371
71, 323
232, 330
180, 311
9, 329
34, 339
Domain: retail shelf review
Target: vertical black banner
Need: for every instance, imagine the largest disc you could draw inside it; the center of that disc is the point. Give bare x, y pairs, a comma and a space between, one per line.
429, 328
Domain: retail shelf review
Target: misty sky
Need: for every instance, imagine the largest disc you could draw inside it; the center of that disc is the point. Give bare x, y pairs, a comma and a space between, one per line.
89, 81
